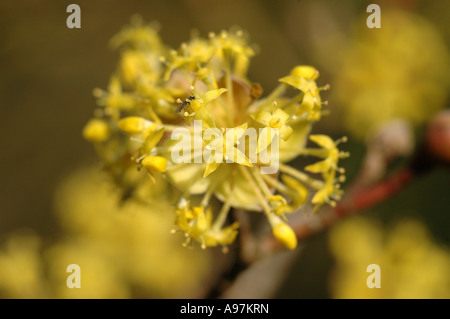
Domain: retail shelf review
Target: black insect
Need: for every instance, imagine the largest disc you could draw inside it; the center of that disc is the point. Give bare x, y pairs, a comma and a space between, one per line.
185, 103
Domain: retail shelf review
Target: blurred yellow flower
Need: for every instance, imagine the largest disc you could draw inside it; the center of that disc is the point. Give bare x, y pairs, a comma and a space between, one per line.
412, 264
197, 224
398, 71
123, 251
22, 268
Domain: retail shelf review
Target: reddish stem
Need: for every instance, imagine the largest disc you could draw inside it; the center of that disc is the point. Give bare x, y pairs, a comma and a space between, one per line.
355, 201
373, 195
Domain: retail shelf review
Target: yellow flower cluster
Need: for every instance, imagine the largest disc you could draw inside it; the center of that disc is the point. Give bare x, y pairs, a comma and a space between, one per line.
411, 264
123, 251
398, 71
157, 91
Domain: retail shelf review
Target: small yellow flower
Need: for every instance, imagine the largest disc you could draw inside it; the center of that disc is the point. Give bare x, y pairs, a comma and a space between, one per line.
402, 250
115, 99
329, 151
278, 204
303, 78
138, 36
190, 55
136, 65
196, 107
96, 130
197, 224
276, 120
329, 193
225, 149
233, 45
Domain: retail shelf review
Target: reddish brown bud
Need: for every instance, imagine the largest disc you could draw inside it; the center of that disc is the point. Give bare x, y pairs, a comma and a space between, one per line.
437, 137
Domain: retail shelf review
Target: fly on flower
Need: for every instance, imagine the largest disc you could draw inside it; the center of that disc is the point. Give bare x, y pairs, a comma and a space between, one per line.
184, 103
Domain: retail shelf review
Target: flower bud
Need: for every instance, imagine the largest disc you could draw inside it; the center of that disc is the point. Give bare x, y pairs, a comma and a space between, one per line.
306, 71
284, 233
133, 124
96, 130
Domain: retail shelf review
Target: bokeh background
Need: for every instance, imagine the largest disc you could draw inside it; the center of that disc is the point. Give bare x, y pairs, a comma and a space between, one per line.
48, 72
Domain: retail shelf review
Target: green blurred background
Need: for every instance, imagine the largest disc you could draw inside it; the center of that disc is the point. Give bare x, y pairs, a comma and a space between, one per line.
48, 72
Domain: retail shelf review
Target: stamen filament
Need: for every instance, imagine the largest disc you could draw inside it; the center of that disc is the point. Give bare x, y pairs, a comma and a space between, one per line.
294, 100
316, 184
262, 200
220, 219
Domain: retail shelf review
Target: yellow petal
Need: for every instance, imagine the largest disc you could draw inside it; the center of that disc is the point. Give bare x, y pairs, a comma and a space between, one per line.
280, 114
278, 204
262, 117
321, 196
133, 124
323, 140
235, 189
300, 83
299, 192
153, 139
306, 71
285, 132
96, 130
202, 222
211, 167
265, 139
234, 134
114, 86
290, 148
319, 167
238, 157
121, 101
211, 95
155, 163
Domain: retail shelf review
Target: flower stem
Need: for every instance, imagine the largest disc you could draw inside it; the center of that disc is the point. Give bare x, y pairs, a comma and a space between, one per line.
220, 220
375, 194
257, 190
260, 181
